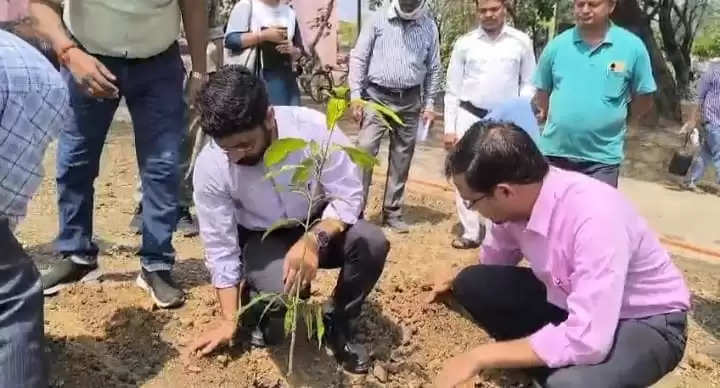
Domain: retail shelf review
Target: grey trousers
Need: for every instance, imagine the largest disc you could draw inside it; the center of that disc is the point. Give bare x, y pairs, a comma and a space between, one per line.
643, 351
402, 144
608, 173
359, 252
22, 341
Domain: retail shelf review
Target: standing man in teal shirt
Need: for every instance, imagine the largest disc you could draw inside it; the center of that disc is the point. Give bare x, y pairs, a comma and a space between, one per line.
585, 80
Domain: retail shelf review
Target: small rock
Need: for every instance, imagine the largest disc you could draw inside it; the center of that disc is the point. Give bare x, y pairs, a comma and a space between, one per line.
187, 322
193, 369
380, 373
406, 335
222, 359
701, 361
204, 320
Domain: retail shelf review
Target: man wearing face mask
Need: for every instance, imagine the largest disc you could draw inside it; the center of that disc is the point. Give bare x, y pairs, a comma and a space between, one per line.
602, 304
489, 66
235, 205
395, 62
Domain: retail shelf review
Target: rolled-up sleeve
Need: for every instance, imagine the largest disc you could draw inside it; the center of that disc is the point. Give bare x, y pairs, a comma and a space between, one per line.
601, 257
500, 247
433, 78
218, 226
342, 184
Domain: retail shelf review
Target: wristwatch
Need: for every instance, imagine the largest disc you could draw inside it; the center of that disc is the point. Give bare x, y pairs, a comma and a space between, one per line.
321, 238
203, 77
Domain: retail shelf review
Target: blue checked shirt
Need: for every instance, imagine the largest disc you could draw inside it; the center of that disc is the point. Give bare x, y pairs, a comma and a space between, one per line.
709, 95
34, 106
399, 54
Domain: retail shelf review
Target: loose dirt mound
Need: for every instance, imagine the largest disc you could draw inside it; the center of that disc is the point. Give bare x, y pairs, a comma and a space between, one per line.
108, 335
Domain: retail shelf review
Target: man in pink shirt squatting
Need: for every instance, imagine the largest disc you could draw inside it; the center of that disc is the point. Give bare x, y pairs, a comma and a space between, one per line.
602, 304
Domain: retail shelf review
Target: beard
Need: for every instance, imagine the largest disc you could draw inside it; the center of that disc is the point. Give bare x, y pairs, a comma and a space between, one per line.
253, 160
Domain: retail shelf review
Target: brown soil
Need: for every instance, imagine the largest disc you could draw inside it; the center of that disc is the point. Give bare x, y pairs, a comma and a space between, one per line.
108, 335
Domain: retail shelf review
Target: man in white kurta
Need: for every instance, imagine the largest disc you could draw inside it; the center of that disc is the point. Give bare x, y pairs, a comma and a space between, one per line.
488, 66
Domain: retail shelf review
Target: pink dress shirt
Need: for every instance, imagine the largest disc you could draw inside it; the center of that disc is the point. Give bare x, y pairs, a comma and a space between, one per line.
599, 261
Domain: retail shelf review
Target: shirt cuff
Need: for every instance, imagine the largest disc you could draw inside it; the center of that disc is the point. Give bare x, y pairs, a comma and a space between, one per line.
225, 275
343, 211
355, 94
550, 344
430, 104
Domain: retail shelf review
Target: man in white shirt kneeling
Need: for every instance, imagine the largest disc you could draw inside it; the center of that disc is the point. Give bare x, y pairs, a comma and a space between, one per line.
236, 204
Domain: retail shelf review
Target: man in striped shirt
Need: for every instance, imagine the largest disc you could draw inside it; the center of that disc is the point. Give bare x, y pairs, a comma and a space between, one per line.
707, 115
395, 62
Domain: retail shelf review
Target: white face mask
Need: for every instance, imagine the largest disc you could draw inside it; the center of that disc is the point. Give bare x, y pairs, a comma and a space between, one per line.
412, 15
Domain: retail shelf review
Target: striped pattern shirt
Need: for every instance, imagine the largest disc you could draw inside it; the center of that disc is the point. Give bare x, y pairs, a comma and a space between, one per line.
395, 53
709, 95
34, 107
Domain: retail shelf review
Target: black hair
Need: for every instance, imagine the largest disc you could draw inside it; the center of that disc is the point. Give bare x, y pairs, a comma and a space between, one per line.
493, 152
233, 100
23, 28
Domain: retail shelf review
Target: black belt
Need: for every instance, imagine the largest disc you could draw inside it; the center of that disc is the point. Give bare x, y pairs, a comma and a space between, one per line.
475, 111
396, 92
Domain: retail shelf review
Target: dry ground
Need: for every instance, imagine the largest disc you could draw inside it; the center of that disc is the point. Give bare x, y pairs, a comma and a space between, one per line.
108, 335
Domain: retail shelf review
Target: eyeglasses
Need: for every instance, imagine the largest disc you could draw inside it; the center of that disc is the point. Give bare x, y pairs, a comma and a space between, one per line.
470, 203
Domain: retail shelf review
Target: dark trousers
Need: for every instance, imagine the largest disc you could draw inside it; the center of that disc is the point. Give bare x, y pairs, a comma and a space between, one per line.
510, 302
282, 87
359, 252
153, 90
608, 173
22, 342
402, 143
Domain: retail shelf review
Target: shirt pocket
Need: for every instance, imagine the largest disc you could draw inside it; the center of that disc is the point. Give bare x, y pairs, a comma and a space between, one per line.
616, 84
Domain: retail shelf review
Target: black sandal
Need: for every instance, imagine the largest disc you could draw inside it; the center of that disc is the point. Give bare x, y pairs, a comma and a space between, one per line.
464, 243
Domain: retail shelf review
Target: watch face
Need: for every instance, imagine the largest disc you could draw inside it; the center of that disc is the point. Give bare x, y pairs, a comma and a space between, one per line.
323, 239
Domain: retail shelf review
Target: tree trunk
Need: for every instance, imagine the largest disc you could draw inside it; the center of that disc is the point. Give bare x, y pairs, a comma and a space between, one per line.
667, 100
680, 62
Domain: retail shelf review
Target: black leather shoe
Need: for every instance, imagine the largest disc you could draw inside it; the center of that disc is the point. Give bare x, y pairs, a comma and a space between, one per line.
354, 358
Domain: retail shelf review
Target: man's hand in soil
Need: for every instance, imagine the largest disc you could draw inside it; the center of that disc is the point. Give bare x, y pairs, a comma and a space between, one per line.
456, 371
210, 340
449, 140
91, 74
442, 283
301, 263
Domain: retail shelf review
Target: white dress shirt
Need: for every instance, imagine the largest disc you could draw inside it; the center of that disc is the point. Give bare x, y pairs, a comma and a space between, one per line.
486, 72
227, 195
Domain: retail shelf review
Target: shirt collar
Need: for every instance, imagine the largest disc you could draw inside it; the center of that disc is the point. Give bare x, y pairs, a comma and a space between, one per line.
482, 34
392, 14
609, 35
545, 203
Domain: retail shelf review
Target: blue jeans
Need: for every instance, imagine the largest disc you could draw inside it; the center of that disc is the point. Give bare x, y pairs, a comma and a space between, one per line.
152, 88
22, 342
709, 152
282, 88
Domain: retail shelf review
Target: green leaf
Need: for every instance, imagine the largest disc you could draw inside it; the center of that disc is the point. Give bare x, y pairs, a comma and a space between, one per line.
341, 92
257, 299
302, 173
277, 171
315, 148
289, 318
281, 224
281, 148
363, 159
336, 108
385, 111
319, 324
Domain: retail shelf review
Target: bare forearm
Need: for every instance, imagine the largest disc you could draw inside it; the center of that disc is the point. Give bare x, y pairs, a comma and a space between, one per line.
228, 298
506, 355
195, 21
639, 107
49, 23
542, 102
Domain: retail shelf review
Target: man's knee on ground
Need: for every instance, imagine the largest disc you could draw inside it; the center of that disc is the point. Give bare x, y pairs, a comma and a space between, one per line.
369, 237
